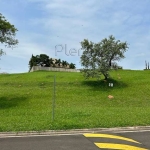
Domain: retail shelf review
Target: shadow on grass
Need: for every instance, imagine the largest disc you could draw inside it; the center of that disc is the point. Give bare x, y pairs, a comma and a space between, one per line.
6, 102
104, 85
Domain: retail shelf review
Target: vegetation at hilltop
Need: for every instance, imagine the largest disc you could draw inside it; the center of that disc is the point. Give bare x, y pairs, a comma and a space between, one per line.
45, 61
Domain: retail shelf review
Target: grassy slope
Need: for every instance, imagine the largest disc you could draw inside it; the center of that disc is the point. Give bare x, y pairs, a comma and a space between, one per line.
26, 101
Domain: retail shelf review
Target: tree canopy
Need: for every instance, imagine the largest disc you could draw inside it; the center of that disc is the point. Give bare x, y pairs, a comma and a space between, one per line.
45, 61
72, 66
98, 58
7, 33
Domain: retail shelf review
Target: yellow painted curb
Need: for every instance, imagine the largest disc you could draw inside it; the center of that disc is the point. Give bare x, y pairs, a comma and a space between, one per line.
110, 136
118, 146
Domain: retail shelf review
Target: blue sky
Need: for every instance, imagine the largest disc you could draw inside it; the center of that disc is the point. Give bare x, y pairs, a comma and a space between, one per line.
44, 25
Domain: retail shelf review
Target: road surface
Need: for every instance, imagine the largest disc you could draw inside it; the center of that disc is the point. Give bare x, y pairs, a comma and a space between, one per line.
126, 140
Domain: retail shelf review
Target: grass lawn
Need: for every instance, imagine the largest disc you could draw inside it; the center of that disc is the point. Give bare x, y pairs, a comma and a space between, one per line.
26, 101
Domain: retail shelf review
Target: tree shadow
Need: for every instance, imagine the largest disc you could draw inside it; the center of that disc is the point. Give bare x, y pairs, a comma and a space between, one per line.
103, 85
7, 102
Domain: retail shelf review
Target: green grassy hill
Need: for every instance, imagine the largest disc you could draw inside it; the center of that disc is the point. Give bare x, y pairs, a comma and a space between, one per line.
26, 101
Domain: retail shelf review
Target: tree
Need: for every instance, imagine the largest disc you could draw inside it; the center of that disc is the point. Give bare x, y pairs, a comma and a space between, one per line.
99, 58
7, 33
32, 62
51, 62
39, 60
1, 52
58, 62
72, 66
65, 64
44, 60
145, 65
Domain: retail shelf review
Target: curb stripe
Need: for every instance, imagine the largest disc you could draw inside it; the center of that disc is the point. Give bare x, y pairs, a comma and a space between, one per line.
118, 146
110, 136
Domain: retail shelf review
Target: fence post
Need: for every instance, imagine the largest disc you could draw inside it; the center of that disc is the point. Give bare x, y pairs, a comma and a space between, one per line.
53, 100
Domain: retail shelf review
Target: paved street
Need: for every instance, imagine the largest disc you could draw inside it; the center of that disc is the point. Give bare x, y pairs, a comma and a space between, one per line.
88, 141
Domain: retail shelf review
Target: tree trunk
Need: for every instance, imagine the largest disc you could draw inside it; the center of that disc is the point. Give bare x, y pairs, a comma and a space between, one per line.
110, 63
106, 77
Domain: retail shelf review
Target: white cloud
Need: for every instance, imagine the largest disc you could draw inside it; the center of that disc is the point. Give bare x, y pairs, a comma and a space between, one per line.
43, 24
140, 55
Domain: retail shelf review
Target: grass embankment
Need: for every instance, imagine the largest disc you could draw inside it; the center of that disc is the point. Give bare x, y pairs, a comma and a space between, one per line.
26, 101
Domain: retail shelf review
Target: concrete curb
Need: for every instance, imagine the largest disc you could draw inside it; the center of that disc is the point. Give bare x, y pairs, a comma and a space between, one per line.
74, 132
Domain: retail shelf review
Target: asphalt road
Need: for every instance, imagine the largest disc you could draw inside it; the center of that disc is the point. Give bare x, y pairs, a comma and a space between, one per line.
139, 140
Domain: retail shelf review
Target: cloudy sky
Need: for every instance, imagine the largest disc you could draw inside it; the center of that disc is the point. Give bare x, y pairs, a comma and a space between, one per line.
54, 27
